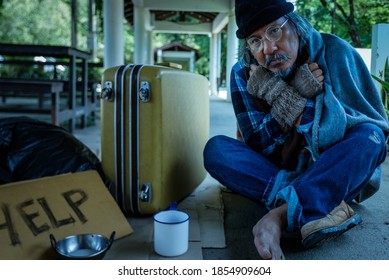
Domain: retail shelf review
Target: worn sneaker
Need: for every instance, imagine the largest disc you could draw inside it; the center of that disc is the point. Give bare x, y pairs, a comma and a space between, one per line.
340, 220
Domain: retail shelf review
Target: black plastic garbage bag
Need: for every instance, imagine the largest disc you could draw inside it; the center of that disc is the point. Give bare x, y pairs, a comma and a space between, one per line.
31, 149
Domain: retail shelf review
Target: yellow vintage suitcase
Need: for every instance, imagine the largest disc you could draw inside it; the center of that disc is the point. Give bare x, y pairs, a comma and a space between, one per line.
154, 126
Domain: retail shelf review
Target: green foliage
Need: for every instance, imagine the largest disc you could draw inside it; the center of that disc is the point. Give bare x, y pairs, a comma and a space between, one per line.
384, 81
45, 22
350, 20
35, 22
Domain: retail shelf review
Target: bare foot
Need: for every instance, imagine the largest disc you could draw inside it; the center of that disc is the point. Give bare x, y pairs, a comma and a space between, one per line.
267, 233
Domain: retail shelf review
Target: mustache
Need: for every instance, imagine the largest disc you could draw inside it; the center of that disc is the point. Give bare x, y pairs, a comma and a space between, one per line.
277, 56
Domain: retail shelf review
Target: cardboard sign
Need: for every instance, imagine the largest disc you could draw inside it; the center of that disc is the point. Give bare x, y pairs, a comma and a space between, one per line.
61, 205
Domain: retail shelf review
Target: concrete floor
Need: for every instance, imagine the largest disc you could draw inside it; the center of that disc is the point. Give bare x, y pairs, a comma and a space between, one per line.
368, 241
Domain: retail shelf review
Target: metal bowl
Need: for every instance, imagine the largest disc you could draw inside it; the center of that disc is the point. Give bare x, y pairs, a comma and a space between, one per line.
82, 246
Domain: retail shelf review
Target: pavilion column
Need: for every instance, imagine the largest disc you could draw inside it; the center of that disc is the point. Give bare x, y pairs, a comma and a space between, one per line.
74, 24
218, 60
92, 33
213, 64
150, 53
232, 50
379, 49
142, 36
113, 33
192, 61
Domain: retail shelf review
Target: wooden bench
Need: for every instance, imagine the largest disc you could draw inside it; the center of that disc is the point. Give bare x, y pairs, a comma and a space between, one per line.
87, 102
35, 89
41, 89
73, 58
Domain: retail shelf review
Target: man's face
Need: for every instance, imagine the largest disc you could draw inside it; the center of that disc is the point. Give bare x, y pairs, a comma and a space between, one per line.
277, 56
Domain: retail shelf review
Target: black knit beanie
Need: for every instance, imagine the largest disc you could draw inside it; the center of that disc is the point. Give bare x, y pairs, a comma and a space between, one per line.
253, 14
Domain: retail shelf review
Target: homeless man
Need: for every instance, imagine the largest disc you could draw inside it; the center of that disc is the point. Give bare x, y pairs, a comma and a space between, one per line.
312, 123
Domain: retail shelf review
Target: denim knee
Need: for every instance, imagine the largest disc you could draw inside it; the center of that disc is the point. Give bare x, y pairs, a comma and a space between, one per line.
375, 135
213, 151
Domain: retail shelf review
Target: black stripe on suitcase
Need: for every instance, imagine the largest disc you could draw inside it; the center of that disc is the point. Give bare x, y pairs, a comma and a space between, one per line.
134, 145
123, 195
118, 194
119, 132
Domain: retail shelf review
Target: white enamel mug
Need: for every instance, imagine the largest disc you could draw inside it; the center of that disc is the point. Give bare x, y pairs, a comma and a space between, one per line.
171, 233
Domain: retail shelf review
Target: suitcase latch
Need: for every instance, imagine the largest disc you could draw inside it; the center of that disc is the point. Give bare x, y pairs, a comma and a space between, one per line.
144, 92
107, 92
145, 193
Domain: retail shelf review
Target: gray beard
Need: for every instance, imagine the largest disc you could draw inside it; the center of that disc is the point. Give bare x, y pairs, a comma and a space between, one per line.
285, 74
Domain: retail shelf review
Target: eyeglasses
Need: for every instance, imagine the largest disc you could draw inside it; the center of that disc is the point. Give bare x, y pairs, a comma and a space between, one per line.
273, 34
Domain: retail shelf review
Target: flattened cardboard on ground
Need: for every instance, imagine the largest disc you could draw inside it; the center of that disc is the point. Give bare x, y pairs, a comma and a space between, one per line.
62, 205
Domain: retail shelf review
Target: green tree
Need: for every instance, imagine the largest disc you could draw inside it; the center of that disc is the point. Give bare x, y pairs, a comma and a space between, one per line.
34, 22
44, 22
351, 20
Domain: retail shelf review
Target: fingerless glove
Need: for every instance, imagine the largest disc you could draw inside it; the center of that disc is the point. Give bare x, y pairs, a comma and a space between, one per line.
305, 83
288, 107
286, 104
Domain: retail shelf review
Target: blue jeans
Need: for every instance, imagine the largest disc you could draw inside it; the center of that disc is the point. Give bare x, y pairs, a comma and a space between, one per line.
339, 174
